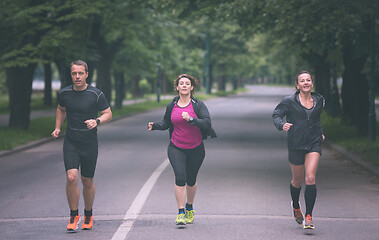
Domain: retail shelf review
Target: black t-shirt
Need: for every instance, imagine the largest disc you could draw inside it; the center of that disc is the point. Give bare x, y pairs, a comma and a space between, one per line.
81, 106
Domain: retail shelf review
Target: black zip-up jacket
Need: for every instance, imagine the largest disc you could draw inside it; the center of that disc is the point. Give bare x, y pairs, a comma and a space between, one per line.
306, 131
203, 120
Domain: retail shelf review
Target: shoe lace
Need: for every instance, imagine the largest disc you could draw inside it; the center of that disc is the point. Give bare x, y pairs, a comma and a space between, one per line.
297, 213
190, 213
72, 219
87, 219
308, 218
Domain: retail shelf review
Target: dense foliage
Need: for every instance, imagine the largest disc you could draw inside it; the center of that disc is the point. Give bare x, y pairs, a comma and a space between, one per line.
128, 41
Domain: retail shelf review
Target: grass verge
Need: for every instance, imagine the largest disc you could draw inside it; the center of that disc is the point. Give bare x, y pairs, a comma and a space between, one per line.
346, 136
42, 127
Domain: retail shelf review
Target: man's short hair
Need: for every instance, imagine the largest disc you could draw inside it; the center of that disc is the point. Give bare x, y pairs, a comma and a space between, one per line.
80, 63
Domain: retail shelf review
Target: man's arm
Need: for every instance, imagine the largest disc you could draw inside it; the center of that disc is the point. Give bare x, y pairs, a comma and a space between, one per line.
106, 116
60, 117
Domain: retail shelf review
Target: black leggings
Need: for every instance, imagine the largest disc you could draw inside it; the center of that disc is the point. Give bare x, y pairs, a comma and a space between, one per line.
186, 163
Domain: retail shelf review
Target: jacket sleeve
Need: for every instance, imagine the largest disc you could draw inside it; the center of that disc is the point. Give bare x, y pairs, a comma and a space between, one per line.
203, 120
279, 113
165, 123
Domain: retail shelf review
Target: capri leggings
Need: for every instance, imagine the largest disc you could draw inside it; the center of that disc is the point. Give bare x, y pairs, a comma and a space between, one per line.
186, 163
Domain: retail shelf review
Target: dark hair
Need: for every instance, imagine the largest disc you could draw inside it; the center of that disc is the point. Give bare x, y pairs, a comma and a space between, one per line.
302, 72
80, 63
194, 81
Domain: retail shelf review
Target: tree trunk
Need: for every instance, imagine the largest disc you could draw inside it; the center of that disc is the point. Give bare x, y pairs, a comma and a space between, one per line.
221, 83
64, 72
91, 69
355, 89
135, 87
47, 94
107, 53
322, 78
120, 88
19, 81
335, 106
104, 76
164, 83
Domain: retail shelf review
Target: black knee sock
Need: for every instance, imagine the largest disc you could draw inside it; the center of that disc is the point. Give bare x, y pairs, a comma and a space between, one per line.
74, 212
88, 213
295, 193
310, 198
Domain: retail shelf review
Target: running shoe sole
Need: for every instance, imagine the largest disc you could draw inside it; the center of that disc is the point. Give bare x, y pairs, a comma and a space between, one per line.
308, 227
77, 227
88, 228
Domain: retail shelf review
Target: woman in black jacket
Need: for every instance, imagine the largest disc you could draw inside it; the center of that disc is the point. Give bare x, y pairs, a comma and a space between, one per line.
189, 122
302, 112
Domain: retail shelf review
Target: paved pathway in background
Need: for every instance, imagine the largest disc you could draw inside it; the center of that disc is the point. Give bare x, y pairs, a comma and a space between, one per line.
4, 118
243, 184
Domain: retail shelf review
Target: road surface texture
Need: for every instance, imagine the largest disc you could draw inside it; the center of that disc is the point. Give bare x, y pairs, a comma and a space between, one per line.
243, 184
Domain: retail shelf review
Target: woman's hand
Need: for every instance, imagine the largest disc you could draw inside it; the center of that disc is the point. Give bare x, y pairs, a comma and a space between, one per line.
287, 126
185, 116
150, 126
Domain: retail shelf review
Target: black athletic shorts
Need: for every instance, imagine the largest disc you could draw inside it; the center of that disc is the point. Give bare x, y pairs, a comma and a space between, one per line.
83, 154
297, 157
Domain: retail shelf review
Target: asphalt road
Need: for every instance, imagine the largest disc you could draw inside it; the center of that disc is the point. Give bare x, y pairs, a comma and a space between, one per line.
243, 184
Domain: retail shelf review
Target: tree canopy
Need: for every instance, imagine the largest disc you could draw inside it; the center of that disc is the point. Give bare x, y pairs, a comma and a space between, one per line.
126, 41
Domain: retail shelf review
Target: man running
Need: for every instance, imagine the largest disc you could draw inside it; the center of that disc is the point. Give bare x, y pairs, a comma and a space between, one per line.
80, 103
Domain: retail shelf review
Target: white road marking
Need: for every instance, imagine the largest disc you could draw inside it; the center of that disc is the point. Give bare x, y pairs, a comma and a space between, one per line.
134, 210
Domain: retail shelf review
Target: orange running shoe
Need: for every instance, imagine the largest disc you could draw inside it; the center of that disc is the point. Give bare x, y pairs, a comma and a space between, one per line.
308, 222
73, 223
87, 223
297, 214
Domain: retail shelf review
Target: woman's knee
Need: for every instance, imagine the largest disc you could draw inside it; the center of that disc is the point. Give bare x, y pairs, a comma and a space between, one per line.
297, 182
180, 181
191, 183
310, 179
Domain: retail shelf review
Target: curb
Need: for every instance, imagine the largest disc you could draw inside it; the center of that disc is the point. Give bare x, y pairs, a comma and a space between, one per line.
45, 140
354, 158
26, 146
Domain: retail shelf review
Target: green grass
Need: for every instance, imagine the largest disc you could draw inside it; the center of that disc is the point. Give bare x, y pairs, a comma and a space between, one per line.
42, 127
35, 104
346, 136
138, 107
39, 128
343, 134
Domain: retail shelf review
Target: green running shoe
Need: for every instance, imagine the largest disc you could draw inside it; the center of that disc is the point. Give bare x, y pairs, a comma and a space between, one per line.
181, 219
189, 216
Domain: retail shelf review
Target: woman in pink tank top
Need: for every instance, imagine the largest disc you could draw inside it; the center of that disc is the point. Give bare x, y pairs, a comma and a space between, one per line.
189, 122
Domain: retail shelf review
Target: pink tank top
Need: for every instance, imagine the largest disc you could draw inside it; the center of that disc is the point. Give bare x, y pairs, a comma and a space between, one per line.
185, 135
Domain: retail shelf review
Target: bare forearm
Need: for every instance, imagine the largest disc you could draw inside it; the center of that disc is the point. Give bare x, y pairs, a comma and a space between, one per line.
59, 119
105, 116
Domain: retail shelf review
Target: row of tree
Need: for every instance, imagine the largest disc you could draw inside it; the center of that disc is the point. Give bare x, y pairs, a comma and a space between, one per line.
331, 37
120, 39
130, 40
